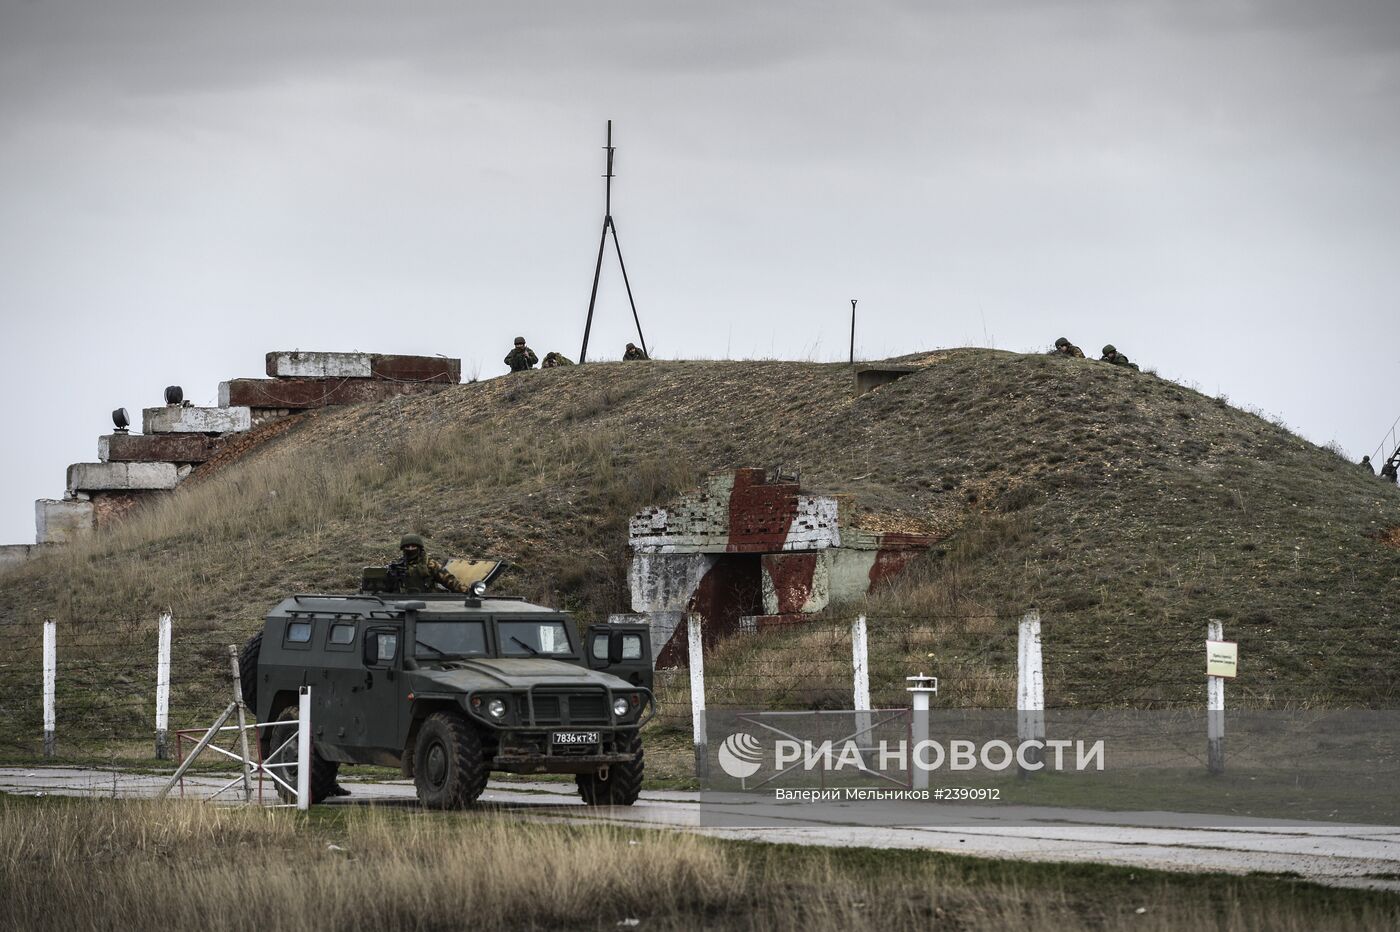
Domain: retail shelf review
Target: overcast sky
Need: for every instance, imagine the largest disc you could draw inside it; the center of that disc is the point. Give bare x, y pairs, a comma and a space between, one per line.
1214, 187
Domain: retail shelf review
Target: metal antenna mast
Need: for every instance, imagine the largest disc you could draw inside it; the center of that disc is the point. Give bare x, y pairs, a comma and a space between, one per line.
608, 225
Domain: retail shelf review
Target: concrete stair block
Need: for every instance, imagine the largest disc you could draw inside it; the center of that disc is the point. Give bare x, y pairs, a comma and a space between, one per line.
126, 477
61, 522
156, 448
176, 419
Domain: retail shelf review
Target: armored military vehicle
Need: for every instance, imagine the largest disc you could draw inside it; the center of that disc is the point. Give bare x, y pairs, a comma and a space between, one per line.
449, 687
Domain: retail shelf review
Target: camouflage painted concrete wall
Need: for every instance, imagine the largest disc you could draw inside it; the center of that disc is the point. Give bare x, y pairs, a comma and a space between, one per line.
747, 553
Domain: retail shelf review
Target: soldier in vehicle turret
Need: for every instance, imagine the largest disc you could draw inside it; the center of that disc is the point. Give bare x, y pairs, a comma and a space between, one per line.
415, 572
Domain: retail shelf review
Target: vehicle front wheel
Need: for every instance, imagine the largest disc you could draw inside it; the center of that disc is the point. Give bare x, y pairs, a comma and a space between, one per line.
449, 766
280, 748
620, 785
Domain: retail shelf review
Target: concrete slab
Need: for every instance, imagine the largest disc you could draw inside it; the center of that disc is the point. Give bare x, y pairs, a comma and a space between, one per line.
438, 369
297, 364
61, 522
91, 477
307, 365
302, 394
156, 448
12, 555
174, 419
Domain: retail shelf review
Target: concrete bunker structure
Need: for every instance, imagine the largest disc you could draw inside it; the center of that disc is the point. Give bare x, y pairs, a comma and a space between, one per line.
177, 438
747, 552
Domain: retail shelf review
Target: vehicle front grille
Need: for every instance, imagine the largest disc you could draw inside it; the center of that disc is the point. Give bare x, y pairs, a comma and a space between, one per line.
590, 707
547, 710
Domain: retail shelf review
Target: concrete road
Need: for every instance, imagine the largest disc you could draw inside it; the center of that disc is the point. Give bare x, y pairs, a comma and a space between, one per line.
1332, 853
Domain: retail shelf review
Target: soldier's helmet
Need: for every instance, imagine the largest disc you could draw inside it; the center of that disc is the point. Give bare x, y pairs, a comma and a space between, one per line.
1109, 350
1061, 343
519, 341
631, 346
412, 540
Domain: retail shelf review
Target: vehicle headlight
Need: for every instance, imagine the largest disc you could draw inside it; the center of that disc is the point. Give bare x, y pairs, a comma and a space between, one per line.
619, 707
496, 708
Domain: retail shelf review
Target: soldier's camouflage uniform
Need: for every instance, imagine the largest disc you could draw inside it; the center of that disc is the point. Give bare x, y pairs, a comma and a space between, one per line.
555, 360
521, 358
424, 575
1070, 350
1111, 355
633, 353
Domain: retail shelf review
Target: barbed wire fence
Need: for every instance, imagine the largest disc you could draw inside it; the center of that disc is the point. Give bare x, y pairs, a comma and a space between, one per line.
105, 671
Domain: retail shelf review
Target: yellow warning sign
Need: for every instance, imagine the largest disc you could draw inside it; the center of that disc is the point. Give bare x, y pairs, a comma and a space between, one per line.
1222, 658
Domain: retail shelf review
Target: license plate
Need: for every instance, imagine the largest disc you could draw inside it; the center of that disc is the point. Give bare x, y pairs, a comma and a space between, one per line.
575, 737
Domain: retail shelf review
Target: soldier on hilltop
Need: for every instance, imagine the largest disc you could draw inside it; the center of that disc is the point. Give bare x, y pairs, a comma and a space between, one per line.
553, 360
1366, 465
1111, 355
633, 353
1063, 347
521, 357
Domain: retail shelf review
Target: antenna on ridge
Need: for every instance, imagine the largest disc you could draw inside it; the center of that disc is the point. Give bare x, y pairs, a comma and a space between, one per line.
608, 225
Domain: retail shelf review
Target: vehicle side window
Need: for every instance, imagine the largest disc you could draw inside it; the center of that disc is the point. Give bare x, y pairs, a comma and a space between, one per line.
298, 632
381, 647
342, 635
600, 646
631, 647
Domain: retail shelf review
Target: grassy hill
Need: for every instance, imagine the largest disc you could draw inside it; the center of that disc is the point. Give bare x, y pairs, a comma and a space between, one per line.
1128, 508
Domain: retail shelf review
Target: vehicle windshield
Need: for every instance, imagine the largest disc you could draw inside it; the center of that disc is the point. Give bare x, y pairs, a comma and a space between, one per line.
533, 638
450, 639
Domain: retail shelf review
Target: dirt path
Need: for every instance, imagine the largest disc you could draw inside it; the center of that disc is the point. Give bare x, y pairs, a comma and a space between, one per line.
1332, 853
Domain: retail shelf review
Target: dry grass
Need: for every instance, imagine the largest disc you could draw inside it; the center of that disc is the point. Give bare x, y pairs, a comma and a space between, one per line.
78, 865
1128, 508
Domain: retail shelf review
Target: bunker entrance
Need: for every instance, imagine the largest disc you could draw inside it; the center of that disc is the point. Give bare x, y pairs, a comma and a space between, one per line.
732, 588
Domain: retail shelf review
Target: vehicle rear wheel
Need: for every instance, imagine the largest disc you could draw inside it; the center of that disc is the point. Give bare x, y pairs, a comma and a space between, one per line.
248, 671
620, 786
280, 747
449, 765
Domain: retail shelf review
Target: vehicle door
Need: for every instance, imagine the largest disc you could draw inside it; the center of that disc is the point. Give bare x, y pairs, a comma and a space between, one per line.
623, 649
380, 698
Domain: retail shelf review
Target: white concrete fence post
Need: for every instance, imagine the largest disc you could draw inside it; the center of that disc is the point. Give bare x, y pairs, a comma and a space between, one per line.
860, 674
50, 674
304, 748
1030, 691
922, 687
1215, 709
697, 695
163, 688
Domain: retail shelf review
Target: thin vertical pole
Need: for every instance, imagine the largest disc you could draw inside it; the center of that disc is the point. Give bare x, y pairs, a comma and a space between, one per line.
860, 674
1030, 693
697, 695
598, 266
635, 319
593, 297
853, 331
242, 722
304, 748
1215, 709
50, 674
922, 687
163, 688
